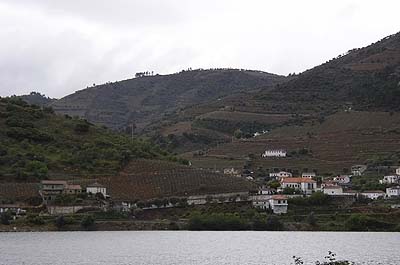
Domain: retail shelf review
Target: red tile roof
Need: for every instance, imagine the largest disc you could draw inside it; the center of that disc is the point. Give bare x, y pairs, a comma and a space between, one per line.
54, 182
279, 197
298, 180
74, 187
373, 191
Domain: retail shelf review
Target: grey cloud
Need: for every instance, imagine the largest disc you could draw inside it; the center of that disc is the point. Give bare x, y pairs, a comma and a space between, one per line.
58, 47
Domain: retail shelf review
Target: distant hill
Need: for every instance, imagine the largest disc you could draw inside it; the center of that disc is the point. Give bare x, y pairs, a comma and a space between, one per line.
365, 79
35, 144
148, 99
343, 112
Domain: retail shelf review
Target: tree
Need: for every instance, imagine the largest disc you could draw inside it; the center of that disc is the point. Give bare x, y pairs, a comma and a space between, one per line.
81, 128
318, 198
274, 224
37, 169
60, 221
238, 134
87, 221
5, 218
311, 220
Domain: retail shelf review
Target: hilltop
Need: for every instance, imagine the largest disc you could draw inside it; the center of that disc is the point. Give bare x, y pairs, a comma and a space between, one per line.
362, 78
149, 98
36, 98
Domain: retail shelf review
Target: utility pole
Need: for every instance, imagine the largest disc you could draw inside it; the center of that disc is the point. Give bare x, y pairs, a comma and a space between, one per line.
132, 132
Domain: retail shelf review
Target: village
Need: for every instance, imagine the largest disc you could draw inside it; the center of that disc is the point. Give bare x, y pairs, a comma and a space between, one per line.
62, 197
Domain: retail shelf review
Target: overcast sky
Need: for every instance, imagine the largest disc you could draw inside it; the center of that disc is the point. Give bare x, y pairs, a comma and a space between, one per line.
59, 46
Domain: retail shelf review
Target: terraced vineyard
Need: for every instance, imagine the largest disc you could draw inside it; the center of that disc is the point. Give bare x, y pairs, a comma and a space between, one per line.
145, 179
18, 191
342, 140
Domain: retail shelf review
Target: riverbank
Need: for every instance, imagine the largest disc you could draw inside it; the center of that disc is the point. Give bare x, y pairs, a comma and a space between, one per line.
220, 217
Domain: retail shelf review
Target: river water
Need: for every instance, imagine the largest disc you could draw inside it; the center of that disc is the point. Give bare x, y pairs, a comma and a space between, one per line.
192, 248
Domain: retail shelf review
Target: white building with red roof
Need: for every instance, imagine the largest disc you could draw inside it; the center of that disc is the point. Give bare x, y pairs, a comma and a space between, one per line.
306, 185
278, 204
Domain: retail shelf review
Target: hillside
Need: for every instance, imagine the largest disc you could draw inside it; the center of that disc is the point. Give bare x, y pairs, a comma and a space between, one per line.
365, 79
344, 111
342, 140
146, 179
35, 144
148, 99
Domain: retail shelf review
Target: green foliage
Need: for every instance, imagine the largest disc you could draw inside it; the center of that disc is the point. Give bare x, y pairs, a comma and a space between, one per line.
5, 218
358, 222
35, 219
311, 220
82, 127
240, 129
35, 141
316, 199
272, 223
88, 222
60, 221
216, 222
288, 190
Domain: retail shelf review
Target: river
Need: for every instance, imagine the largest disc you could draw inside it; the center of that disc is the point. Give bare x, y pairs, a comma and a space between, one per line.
193, 248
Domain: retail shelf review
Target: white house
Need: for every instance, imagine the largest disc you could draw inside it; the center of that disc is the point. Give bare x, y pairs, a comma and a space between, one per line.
306, 185
266, 191
393, 192
274, 153
373, 194
281, 174
333, 190
392, 179
309, 175
96, 188
260, 201
278, 204
342, 179
358, 170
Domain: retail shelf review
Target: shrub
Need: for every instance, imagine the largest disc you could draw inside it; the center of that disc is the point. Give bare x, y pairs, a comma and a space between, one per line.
60, 221
318, 198
87, 222
358, 222
35, 219
216, 222
274, 224
5, 218
81, 128
311, 220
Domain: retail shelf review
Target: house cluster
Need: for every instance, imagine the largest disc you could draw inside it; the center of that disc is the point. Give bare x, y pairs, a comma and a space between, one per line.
50, 189
267, 199
394, 182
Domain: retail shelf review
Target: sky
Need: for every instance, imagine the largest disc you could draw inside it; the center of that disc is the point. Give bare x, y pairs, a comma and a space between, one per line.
59, 46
